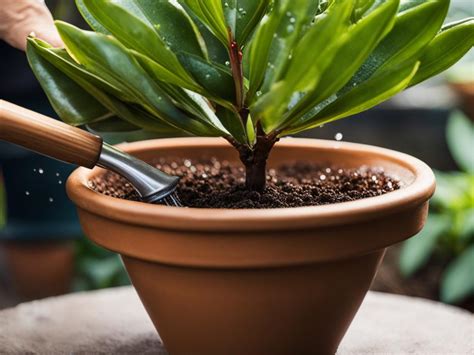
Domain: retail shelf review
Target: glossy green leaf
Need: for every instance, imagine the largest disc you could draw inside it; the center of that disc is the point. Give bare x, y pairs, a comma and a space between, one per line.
259, 53
135, 32
242, 16
233, 123
460, 136
414, 28
107, 58
164, 15
370, 93
211, 13
310, 58
457, 282
450, 45
360, 7
71, 102
212, 76
161, 73
217, 52
89, 18
293, 20
96, 88
416, 251
113, 124
357, 45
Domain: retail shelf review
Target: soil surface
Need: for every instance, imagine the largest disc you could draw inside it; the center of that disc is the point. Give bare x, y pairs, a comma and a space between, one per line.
211, 183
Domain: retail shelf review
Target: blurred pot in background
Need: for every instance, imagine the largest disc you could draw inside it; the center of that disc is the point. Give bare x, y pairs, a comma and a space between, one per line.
461, 81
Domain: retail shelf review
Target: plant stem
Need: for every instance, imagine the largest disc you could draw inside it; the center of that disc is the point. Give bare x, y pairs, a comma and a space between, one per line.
255, 158
235, 54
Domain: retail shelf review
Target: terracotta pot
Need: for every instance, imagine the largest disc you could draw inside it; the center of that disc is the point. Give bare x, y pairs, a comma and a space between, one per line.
273, 281
38, 269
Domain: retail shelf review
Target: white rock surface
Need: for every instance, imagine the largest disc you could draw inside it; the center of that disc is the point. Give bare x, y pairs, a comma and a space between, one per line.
113, 321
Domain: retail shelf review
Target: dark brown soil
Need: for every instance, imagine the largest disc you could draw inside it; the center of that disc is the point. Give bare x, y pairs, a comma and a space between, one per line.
218, 184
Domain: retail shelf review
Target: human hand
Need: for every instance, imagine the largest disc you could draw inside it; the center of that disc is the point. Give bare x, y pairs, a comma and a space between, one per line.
19, 18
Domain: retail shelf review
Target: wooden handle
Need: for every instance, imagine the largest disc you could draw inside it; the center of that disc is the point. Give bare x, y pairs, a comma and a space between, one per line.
48, 136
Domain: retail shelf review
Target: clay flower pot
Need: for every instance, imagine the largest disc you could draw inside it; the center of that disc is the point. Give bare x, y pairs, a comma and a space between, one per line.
274, 281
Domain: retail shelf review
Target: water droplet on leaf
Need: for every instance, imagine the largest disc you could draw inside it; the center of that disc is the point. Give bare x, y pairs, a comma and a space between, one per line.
338, 136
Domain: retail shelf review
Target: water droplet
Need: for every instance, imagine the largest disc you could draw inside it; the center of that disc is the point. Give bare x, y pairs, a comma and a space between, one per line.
27, 193
57, 174
374, 178
289, 14
290, 56
322, 177
241, 9
338, 136
259, 93
227, 63
208, 76
290, 28
275, 35
41, 171
34, 170
60, 182
51, 199
292, 20
226, 4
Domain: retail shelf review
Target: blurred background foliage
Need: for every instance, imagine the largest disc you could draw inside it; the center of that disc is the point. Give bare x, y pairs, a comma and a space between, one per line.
448, 236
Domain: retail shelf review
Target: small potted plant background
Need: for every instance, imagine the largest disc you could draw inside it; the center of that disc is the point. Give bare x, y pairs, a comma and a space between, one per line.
240, 280
447, 241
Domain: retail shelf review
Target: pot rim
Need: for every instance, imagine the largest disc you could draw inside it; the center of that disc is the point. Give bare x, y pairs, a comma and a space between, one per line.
209, 219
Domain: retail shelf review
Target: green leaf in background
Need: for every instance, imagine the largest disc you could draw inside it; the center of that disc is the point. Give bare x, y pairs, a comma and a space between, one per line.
242, 16
458, 281
460, 136
417, 250
466, 233
452, 190
450, 45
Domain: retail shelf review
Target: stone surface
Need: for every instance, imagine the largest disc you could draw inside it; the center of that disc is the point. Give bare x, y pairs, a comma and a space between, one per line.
114, 321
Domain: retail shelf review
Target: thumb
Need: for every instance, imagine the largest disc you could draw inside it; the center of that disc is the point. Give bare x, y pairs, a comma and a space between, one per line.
19, 18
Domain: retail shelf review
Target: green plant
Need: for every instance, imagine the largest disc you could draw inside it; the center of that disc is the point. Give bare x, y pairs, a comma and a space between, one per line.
249, 71
97, 268
449, 231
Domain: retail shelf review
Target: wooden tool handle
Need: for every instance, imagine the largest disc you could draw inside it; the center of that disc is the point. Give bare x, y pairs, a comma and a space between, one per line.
48, 136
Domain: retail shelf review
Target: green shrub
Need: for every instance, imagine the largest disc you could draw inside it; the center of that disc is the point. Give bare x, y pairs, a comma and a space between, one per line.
249, 71
449, 231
